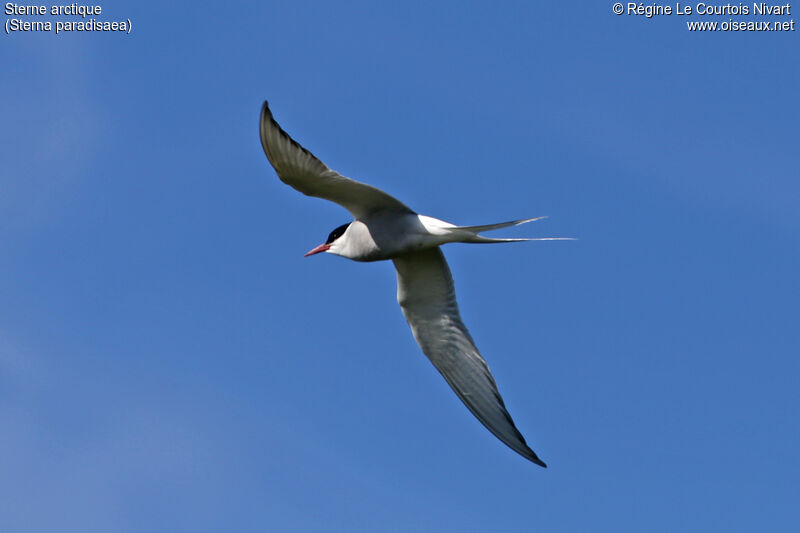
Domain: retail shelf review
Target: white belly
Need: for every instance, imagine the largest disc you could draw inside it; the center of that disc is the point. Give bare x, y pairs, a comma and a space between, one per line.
387, 236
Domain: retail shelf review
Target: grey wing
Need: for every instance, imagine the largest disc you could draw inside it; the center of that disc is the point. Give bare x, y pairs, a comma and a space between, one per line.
298, 168
427, 297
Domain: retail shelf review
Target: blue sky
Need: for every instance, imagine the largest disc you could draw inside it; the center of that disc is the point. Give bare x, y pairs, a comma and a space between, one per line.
169, 361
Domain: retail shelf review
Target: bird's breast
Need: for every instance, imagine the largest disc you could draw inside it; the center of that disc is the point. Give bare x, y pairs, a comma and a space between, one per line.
384, 237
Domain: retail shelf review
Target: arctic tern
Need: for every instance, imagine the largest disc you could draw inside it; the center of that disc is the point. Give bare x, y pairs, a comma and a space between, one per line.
385, 228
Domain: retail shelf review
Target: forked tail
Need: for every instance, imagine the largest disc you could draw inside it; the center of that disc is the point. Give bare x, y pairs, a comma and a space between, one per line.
473, 232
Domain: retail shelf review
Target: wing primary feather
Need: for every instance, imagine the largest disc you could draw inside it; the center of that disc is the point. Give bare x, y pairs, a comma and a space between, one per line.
426, 294
299, 168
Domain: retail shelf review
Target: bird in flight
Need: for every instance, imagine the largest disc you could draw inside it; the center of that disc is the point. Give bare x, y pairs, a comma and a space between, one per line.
385, 228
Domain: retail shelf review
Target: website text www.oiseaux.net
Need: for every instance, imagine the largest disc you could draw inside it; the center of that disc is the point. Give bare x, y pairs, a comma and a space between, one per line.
740, 25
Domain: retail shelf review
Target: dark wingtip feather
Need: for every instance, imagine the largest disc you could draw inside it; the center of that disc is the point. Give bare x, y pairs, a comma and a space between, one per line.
537, 461
266, 114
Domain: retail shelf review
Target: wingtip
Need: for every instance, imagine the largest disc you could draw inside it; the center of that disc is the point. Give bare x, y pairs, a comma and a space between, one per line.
526, 452
264, 118
265, 112
532, 457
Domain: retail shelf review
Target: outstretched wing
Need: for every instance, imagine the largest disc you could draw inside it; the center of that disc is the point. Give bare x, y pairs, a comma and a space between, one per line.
426, 294
298, 168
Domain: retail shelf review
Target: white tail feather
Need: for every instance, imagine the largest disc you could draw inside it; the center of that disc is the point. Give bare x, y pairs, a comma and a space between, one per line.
490, 227
486, 240
473, 232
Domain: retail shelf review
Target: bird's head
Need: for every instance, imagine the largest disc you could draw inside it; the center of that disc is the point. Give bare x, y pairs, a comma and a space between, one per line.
331, 244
